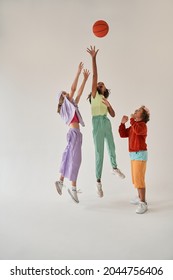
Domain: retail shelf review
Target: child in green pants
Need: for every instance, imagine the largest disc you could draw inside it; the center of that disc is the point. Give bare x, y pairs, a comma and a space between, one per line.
102, 129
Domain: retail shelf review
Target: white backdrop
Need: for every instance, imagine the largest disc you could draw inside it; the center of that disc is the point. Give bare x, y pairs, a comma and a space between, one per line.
41, 45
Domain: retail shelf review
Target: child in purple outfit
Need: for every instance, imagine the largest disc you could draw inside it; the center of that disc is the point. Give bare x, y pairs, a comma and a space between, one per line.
69, 112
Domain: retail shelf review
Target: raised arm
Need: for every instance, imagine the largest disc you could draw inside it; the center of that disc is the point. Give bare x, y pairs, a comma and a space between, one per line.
123, 131
85, 78
75, 82
93, 54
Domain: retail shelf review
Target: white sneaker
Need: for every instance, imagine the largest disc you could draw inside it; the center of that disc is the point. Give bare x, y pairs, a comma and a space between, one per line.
142, 207
99, 189
59, 186
135, 201
118, 172
73, 194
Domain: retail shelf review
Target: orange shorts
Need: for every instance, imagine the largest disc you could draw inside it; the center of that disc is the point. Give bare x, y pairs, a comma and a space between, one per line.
138, 168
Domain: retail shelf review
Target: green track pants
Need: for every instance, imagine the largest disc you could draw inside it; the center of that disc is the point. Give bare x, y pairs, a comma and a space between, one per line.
102, 130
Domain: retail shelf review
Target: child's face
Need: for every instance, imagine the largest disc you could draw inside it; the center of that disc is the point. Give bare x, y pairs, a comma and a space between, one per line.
101, 87
138, 114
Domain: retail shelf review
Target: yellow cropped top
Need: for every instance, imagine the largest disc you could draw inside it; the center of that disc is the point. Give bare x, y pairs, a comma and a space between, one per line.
98, 108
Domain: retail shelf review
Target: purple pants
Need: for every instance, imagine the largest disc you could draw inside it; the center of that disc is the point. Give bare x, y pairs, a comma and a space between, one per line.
72, 156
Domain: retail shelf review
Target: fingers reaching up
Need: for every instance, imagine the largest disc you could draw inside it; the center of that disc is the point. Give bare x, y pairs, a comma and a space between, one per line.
92, 51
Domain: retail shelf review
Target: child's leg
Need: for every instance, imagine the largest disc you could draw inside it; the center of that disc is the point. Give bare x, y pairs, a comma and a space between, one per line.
99, 154
98, 136
72, 156
61, 178
138, 169
111, 149
73, 183
141, 194
142, 205
138, 175
110, 143
74, 162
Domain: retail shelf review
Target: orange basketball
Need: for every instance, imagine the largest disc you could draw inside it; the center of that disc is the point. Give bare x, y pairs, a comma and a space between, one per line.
100, 28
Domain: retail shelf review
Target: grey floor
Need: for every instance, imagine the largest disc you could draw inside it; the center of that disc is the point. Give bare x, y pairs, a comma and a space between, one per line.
36, 223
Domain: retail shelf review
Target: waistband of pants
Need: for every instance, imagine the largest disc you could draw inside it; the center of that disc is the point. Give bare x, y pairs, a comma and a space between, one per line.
100, 117
74, 129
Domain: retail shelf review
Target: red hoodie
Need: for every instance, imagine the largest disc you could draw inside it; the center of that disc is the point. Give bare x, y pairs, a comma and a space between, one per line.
136, 133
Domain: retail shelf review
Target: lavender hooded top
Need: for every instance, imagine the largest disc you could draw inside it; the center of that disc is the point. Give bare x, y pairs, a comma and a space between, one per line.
68, 109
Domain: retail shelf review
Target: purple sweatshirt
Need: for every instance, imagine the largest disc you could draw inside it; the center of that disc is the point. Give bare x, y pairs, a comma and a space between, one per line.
68, 110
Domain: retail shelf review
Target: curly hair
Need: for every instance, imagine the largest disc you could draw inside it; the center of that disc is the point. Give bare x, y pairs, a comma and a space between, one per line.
145, 114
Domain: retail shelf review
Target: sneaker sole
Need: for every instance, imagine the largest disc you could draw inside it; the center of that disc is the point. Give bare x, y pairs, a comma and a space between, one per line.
142, 212
58, 189
72, 196
100, 195
121, 177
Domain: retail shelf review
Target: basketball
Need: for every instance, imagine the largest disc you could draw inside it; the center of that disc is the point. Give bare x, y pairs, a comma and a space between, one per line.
100, 28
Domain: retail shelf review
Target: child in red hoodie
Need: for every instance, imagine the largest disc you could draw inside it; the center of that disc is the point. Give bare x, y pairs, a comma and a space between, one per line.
137, 134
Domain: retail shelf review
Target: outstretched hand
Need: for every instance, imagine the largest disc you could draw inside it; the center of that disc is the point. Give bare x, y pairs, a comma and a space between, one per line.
92, 51
86, 74
80, 67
